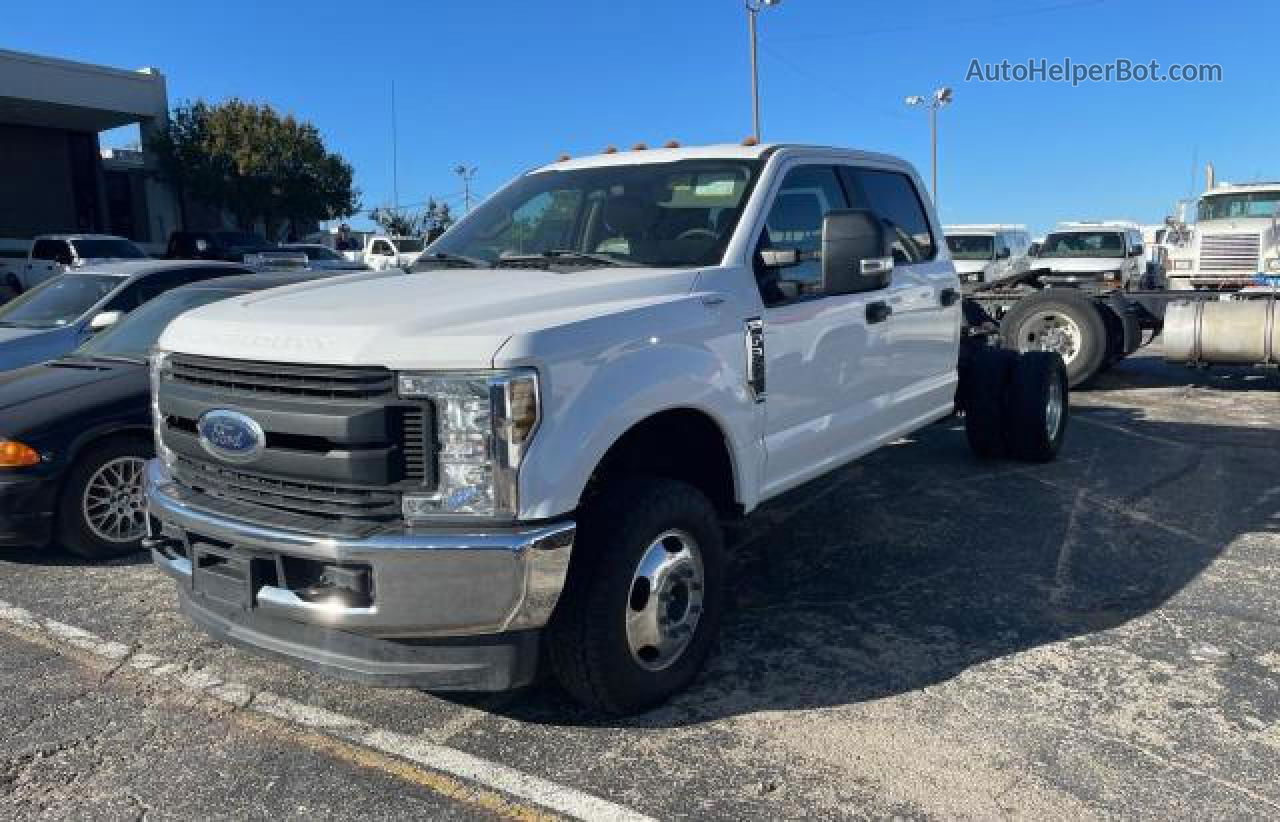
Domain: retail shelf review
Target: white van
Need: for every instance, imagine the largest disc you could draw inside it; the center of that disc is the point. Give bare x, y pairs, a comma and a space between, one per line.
987, 253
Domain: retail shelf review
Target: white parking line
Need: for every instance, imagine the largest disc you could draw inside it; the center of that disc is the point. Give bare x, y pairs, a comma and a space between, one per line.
476, 770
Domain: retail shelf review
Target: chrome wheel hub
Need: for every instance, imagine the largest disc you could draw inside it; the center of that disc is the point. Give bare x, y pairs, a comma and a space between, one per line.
113, 506
1053, 409
1050, 331
665, 601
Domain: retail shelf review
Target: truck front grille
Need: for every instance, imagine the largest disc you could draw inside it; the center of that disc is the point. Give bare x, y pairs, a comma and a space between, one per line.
289, 496
328, 382
1229, 252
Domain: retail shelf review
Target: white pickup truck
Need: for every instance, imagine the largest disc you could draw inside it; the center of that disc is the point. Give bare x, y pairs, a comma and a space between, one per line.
53, 254
535, 439
382, 252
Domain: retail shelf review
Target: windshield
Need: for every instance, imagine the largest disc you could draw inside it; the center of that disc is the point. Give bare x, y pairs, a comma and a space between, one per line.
103, 249
971, 246
668, 215
1251, 204
409, 246
315, 252
133, 337
1083, 244
57, 302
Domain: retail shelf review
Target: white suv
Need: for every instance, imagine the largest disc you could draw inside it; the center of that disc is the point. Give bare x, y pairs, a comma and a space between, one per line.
534, 439
988, 253
1107, 255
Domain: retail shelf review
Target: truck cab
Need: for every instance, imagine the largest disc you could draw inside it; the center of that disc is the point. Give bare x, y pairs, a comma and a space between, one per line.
988, 253
533, 440
1235, 238
54, 254
387, 251
1107, 255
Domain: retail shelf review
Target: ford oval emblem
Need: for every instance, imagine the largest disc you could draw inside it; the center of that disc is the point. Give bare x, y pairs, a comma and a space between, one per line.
231, 436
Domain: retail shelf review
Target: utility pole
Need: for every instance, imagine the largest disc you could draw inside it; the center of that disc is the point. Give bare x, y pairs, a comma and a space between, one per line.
941, 96
466, 173
395, 158
753, 9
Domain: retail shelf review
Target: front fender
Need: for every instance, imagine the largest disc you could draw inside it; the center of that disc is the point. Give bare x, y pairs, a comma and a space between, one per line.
696, 362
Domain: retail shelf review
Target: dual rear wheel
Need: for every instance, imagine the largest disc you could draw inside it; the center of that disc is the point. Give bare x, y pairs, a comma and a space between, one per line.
1016, 405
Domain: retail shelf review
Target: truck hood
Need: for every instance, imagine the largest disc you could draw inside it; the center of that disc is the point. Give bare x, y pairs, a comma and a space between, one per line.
445, 319
1078, 265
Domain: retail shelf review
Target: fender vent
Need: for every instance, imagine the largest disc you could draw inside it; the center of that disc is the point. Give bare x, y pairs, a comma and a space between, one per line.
755, 358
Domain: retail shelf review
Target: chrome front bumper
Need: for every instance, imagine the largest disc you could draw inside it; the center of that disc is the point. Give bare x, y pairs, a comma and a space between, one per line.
425, 583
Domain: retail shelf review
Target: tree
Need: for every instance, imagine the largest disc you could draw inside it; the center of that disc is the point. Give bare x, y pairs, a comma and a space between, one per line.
246, 159
397, 223
430, 223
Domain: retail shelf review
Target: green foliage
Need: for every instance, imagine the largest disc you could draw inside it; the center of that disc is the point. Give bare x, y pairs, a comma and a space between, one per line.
245, 158
430, 223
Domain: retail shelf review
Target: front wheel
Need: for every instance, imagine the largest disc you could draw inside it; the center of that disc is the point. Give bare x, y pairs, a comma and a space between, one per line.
103, 513
645, 595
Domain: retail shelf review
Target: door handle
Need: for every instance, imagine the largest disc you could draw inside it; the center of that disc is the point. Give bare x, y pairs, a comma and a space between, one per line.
878, 311
949, 296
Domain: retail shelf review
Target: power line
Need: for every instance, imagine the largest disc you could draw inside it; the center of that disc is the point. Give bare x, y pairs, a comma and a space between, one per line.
957, 20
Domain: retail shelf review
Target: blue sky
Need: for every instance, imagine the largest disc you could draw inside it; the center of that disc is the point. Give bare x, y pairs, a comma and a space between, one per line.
508, 85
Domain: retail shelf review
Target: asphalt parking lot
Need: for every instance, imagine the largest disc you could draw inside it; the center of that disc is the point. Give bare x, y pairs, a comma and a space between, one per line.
919, 635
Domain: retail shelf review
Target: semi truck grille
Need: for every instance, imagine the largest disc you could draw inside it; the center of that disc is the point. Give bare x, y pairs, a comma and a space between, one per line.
290, 496
329, 382
1229, 252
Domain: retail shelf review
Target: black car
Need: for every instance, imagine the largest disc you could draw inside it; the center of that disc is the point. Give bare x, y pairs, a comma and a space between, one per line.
229, 246
76, 431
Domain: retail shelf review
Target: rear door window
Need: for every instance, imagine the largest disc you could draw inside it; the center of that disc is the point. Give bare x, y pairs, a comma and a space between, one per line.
892, 196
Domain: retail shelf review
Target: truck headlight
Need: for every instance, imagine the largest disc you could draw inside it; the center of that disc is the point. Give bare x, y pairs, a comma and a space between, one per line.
1182, 265
159, 367
1273, 263
483, 425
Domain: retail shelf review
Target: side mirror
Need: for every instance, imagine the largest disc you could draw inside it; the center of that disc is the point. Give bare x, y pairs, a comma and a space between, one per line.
855, 255
104, 320
1033, 250
779, 257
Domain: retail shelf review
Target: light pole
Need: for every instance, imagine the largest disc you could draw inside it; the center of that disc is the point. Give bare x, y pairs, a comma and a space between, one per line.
940, 97
466, 173
753, 8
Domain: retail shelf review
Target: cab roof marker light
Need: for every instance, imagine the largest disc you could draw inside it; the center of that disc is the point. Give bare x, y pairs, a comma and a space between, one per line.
610, 149
671, 144
563, 157
639, 147
750, 141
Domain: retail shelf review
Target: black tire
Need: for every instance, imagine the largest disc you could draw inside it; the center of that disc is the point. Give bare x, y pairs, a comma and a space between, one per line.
1033, 432
75, 532
986, 388
1018, 329
587, 640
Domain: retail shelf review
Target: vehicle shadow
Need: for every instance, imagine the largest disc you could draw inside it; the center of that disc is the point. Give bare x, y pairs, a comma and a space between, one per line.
54, 556
918, 563
1150, 370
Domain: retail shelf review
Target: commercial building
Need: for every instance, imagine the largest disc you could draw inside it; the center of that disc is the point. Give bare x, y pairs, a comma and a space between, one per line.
54, 176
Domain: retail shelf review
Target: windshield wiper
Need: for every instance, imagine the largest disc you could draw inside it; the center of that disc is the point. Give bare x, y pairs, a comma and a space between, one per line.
565, 256
448, 261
